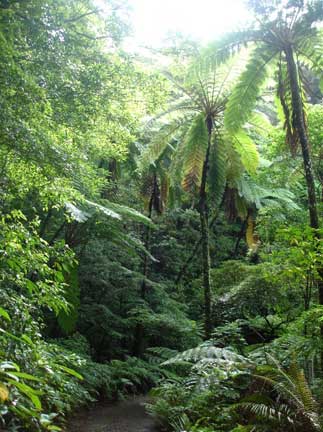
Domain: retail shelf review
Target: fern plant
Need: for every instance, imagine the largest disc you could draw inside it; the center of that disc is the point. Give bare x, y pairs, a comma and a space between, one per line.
283, 401
284, 39
193, 128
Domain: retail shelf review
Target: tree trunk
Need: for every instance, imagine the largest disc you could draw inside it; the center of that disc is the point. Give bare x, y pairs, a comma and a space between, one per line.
299, 125
196, 247
203, 209
139, 340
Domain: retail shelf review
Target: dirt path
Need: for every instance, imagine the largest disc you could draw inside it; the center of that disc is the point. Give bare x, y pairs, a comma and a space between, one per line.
127, 416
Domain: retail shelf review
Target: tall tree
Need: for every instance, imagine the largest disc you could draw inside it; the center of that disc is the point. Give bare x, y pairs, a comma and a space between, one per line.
283, 40
193, 125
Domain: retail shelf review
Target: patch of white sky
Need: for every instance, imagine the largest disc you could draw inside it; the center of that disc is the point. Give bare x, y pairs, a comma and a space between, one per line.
204, 20
154, 21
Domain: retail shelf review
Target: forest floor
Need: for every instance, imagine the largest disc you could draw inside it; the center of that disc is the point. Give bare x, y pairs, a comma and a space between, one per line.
125, 416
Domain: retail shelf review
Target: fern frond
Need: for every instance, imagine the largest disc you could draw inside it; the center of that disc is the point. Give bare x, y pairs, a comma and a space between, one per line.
249, 191
244, 96
260, 123
266, 412
214, 82
247, 151
261, 196
117, 211
230, 44
196, 142
158, 143
157, 355
310, 51
79, 214
217, 169
301, 387
235, 168
164, 186
207, 352
292, 387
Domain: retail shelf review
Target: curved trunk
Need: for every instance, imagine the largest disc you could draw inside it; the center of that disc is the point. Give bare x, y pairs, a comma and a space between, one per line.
203, 209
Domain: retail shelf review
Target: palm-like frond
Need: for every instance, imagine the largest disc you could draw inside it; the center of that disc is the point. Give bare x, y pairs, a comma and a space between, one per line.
260, 123
284, 399
244, 96
217, 169
83, 211
230, 44
213, 82
176, 167
310, 50
265, 410
204, 352
196, 142
124, 211
247, 150
261, 196
292, 390
159, 141
204, 88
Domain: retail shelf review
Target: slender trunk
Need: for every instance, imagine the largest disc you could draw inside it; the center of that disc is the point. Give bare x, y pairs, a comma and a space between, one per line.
299, 125
139, 342
203, 209
196, 247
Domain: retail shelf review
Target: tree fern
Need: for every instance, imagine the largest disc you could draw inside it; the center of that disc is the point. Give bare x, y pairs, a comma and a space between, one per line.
202, 90
281, 32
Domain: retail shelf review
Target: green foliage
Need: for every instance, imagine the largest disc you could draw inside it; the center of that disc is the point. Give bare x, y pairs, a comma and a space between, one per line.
101, 219
244, 96
247, 150
196, 143
202, 397
218, 169
290, 407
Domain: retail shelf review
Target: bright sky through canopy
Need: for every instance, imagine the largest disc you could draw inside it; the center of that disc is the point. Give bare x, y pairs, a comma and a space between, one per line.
153, 20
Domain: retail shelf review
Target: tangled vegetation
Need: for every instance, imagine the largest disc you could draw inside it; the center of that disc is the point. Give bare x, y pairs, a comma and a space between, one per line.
160, 219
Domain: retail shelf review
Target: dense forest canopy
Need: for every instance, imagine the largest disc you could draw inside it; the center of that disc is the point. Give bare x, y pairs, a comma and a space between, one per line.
161, 218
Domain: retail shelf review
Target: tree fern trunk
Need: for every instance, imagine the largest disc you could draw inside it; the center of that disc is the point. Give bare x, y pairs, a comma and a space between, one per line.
299, 124
203, 209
